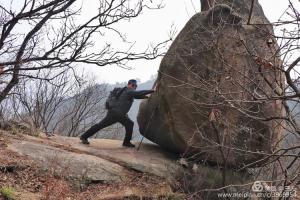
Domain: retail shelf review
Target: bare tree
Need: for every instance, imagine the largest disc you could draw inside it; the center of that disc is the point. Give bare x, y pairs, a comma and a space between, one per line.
39, 102
82, 109
64, 106
43, 35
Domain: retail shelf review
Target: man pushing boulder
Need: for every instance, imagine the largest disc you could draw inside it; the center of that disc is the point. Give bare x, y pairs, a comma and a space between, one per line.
118, 104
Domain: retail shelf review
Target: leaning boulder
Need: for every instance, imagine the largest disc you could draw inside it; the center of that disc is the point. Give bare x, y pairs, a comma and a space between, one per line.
217, 88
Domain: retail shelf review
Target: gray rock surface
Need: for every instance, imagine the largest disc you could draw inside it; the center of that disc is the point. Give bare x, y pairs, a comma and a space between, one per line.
102, 160
70, 164
210, 82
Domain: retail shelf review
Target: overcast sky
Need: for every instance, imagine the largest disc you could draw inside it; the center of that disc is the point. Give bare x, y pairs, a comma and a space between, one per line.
154, 25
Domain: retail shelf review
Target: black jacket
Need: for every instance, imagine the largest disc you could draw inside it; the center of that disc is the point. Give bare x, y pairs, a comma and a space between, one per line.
124, 103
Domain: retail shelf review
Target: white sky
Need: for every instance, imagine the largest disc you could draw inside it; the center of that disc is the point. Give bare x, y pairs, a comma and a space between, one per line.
154, 25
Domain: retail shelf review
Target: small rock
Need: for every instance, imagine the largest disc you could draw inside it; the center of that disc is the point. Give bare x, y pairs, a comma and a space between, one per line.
183, 162
195, 168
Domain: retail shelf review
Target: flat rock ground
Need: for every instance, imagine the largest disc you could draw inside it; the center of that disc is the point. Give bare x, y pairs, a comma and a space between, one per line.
63, 168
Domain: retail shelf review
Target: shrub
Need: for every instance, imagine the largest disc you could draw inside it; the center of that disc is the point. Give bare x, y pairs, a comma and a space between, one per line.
8, 192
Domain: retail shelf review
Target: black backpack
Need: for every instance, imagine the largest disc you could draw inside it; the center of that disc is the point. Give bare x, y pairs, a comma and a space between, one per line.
113, 97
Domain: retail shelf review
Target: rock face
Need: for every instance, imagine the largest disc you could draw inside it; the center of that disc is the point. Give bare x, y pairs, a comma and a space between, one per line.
71, 164
113, 171
102, 160
215, 86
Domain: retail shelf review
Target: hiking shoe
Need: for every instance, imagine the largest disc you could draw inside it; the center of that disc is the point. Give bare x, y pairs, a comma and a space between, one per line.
84, 141
129, 144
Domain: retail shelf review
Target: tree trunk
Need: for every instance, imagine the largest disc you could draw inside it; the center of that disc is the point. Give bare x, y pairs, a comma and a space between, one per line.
206, 4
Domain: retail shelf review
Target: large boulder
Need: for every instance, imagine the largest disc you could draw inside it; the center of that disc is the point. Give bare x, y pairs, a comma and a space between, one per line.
217, 88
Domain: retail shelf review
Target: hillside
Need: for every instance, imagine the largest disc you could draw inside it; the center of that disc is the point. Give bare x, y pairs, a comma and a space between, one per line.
63, 168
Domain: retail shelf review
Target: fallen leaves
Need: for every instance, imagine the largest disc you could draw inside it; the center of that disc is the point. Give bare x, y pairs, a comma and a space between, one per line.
214, 115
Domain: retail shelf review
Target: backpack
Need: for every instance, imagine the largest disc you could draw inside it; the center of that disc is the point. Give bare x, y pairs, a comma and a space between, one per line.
113, 97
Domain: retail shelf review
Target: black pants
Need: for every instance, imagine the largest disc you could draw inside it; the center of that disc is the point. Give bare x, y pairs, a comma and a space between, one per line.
109, 119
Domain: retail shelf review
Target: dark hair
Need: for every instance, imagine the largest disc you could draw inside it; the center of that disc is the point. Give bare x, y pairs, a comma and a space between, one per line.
132, 81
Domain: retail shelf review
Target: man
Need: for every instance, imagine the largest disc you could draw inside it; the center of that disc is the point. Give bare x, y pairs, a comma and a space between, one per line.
117, 112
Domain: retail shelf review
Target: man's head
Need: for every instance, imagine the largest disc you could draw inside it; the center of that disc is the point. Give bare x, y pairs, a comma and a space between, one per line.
132, 84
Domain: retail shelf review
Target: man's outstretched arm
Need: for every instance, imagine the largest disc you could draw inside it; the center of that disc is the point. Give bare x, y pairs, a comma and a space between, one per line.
141, 97
140, 94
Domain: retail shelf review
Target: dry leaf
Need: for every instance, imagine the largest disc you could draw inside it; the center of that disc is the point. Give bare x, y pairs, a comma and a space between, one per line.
212, 116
